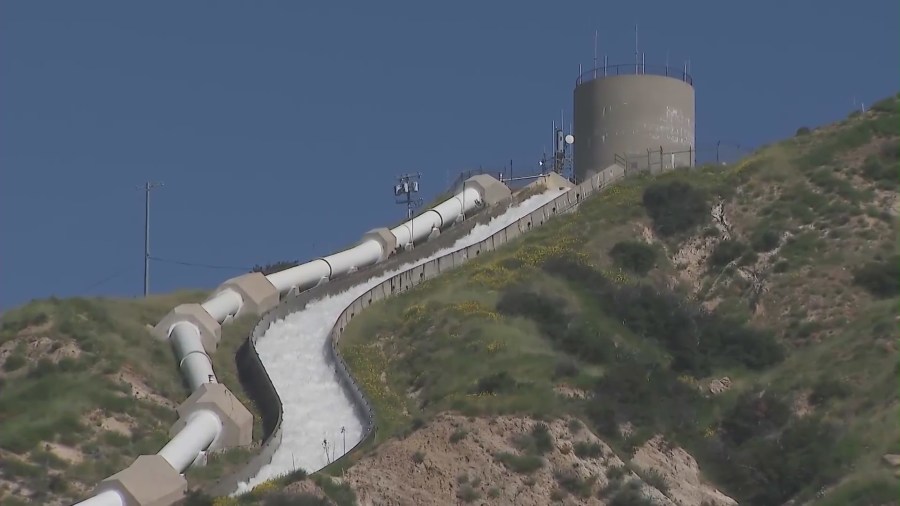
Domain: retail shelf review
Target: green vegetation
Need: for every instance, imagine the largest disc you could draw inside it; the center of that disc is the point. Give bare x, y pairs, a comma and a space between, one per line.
84, 358
880, 277
675, 207
522, 464
637, 257
108, 391
583, 304
587, 450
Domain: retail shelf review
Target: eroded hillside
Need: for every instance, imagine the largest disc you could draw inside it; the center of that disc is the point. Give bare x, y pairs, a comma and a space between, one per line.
85, 389
746, 313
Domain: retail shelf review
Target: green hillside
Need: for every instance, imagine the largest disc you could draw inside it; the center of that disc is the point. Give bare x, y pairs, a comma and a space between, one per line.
85, 388
746, 312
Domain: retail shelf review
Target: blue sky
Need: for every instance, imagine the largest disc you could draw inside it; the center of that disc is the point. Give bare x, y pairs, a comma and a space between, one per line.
278, 127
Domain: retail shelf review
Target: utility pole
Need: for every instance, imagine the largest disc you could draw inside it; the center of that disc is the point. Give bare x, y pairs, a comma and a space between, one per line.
148, 186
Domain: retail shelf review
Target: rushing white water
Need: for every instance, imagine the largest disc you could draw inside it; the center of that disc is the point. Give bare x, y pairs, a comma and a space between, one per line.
293, 351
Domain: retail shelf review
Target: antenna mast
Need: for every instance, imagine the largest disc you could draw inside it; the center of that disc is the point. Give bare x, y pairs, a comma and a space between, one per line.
406, 186
636, 58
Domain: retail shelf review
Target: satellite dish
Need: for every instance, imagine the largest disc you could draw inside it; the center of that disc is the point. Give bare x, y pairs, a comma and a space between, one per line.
570, 139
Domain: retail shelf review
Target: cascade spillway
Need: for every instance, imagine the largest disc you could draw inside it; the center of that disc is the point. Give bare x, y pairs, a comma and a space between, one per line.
316, 407
294, 353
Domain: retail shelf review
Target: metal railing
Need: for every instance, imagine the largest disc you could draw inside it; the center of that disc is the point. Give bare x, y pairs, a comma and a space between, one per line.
634, 69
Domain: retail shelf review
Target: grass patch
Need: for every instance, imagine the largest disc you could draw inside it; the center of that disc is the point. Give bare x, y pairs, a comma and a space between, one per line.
588, 450
522, 464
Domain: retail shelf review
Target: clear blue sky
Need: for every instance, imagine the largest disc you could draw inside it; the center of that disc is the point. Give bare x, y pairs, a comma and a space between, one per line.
278, 127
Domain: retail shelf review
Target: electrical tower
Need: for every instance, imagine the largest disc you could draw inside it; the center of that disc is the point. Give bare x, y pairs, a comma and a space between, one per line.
407, 185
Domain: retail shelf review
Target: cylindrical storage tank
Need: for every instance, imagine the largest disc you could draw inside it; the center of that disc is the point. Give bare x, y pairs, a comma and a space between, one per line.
639, 117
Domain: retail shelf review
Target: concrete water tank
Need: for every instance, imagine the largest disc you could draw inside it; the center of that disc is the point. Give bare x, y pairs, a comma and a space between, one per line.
641, 117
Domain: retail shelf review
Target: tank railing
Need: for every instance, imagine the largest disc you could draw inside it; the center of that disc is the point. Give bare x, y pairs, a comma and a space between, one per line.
656, 160
634, 69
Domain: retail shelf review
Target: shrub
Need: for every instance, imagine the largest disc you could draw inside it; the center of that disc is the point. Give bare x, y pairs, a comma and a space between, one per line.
748, 258
341, 494
537, 442
292, 477
458, 435
754, 415
878, 171
656, 480
565, 368
675, 207
467, 494
546, 311
802, 131
765, 240
693, 337
615, 473
827, 388
880, 278
522, 464
14, 362
569, 480
589, 450
573, 335
812, 463
634, 256
496, 383
543, 440
418, 457
725, 252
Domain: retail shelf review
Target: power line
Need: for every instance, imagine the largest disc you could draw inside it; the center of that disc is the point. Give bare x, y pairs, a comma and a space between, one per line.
197, 264
106, 279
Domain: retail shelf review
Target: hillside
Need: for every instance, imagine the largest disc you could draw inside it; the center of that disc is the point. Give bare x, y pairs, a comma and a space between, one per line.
84, 388
709, 336
745, 313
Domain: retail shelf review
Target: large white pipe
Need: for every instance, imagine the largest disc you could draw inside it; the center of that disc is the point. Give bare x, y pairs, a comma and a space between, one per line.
204, 426
369, 252
439, 217
194, 363
106, 498
224, 304
301, 276
200, 431
361, 255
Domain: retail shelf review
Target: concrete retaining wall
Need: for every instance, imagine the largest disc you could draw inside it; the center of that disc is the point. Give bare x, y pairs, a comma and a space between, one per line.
270, 404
